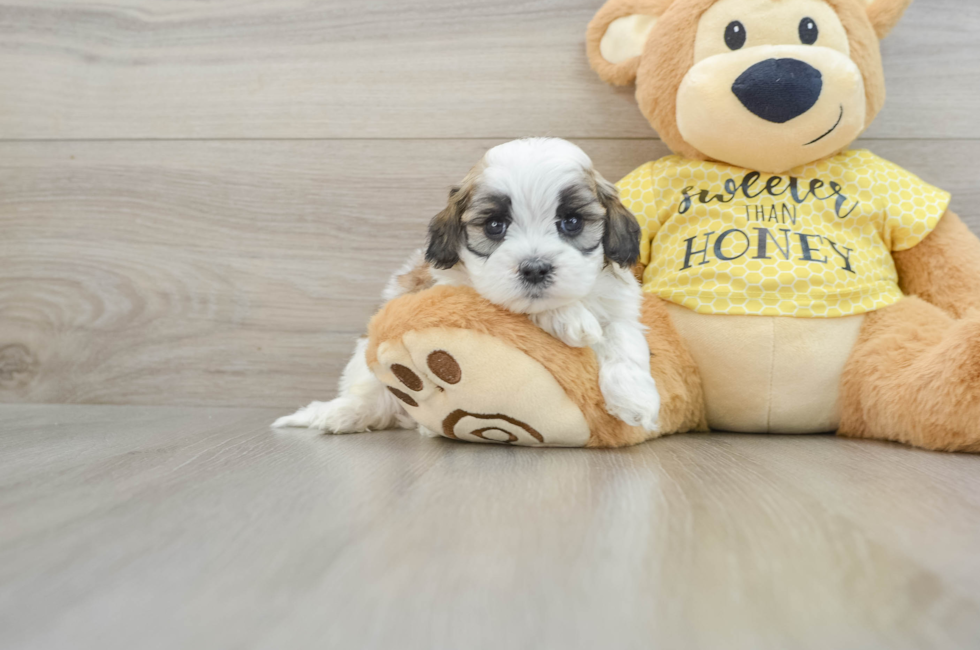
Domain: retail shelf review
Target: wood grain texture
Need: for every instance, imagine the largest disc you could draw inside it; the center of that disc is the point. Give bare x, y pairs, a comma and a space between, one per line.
125, 527
386, 69
240, 273
199, 204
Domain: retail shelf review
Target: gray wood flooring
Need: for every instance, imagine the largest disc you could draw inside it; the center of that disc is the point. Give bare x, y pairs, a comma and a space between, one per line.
199, 204
165, 527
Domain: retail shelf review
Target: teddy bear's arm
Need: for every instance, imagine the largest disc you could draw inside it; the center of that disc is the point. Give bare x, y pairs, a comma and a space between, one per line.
944, 269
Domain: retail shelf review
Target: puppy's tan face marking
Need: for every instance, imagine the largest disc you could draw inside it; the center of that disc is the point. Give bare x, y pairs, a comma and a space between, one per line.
621, 232
580, 219
533, 225
487, 221
447, 232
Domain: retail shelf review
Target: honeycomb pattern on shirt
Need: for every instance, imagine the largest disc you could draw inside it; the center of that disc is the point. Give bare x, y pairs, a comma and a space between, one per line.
813, 242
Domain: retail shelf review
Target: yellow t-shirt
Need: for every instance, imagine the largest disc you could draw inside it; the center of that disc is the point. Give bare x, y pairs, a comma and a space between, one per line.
814, 242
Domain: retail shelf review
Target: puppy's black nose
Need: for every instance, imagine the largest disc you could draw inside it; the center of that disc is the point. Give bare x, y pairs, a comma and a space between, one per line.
535, 271
777, 90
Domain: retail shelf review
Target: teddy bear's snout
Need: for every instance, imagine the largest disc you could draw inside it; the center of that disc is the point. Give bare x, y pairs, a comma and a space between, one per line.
778, 90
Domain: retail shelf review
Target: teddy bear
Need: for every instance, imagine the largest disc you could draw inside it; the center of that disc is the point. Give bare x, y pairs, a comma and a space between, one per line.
791, 283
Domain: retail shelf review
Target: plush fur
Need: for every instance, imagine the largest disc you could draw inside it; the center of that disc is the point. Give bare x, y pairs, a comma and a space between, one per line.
669, 54
575, 369
911, 376
624, 73
535, 230
944, 269
914, 374
885, 14
914, 377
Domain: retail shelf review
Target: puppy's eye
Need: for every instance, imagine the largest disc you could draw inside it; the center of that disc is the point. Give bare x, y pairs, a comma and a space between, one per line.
808, 31
735, 35
495, 229
570, 226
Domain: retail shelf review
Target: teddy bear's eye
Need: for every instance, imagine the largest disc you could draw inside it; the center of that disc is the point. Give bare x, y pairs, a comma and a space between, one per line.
735, 35
808, 31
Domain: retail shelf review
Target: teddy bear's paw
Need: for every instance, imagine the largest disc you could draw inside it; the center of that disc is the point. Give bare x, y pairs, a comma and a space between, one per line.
471, 386
573, 325
630, 394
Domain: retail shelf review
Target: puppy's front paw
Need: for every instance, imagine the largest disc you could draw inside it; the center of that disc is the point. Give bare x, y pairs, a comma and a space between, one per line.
631, 395
635, 416
342, 415
574, 326
582, 334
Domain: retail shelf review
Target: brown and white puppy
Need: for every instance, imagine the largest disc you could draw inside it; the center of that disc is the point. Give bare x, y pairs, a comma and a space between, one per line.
534, 229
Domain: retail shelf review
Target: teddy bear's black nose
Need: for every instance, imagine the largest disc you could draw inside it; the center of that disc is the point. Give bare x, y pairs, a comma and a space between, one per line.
777, 90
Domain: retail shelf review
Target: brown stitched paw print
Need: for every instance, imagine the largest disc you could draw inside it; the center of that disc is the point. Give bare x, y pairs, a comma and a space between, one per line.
474, 387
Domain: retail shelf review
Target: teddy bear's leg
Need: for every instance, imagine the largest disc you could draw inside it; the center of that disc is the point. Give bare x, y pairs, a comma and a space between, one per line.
468, 370
914, 377
682, 406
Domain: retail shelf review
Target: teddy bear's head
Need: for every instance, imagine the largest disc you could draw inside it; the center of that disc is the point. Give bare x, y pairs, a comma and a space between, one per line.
762, 84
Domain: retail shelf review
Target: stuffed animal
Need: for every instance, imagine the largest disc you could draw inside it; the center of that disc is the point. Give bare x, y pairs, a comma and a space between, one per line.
792, 285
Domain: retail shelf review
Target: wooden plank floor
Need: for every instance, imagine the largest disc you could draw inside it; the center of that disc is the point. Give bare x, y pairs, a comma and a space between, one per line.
200, 203
175, 527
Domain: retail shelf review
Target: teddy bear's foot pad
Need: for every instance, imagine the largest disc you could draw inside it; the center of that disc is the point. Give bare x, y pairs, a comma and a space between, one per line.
471, 386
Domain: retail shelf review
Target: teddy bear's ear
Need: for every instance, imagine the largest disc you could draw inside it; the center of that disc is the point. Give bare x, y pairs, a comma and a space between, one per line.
617, 35
885, 14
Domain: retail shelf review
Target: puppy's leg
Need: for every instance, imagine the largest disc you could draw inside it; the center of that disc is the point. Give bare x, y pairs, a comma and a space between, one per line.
624, 375
574, 325
623, 353
363, 403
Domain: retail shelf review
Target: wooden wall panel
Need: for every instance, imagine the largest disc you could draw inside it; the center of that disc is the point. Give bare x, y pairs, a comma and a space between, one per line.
200, 201
72, 69
239, 273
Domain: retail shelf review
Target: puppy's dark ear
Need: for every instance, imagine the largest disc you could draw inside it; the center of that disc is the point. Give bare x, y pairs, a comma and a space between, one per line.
446, 231
621, 237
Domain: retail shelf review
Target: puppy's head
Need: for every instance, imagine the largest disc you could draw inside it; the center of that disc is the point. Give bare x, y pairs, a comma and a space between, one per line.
533, 224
